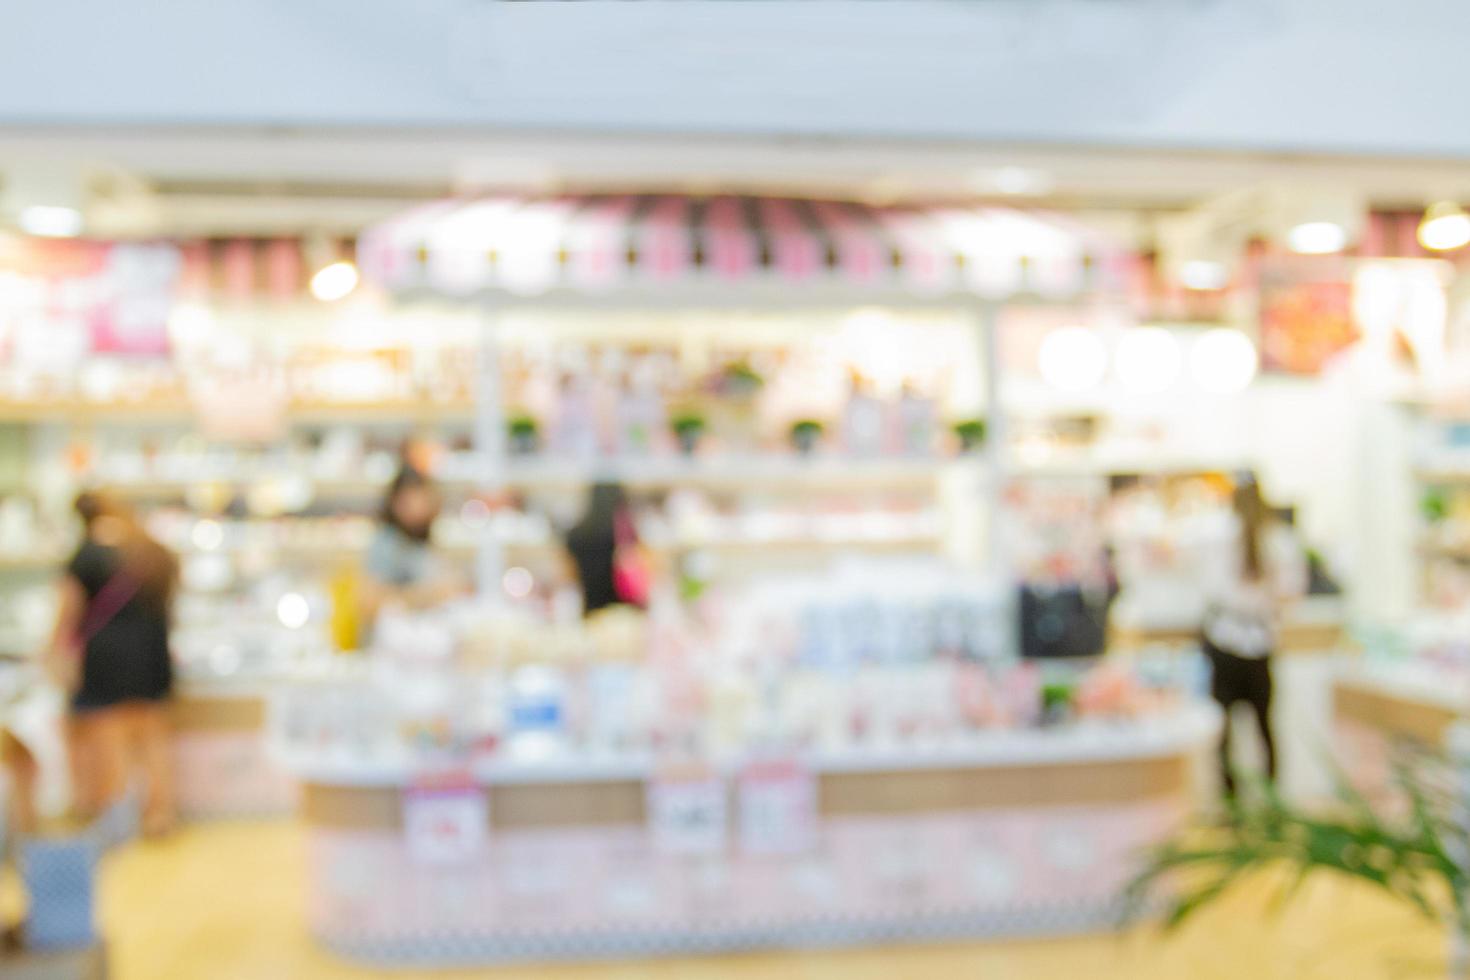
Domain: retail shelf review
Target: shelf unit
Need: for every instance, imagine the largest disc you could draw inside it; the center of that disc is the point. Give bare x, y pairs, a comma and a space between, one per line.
184, 412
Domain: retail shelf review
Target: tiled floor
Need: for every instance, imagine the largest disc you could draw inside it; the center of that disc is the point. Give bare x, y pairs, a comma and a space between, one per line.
224, 902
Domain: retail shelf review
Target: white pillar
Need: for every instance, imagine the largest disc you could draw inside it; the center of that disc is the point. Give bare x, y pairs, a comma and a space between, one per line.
997, 557
490, 448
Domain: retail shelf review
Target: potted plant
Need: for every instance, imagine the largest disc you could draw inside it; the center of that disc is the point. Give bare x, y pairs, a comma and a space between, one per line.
1417, 855
971, 434
1434, 505
805, 433
740, 380
1057, 698
524, 433
688, 429
735, 409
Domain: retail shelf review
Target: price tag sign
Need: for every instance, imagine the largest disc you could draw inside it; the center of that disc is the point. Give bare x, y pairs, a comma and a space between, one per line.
687, 812
445, 822
778, 807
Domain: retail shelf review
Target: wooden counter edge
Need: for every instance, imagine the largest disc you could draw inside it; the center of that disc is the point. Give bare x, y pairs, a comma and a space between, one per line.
889, 793
216, 713
1393, 714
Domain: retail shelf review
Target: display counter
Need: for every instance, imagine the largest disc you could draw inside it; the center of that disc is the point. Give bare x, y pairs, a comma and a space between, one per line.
999, 833
1314, 646
1312, 626
222, 765
1381, 709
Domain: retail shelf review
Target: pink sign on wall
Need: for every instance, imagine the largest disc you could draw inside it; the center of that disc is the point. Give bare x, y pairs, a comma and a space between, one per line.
115, 297
135, 293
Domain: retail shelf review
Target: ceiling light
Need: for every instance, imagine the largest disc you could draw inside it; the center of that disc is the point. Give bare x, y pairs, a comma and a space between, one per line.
1223, 361
335, 281
1020, 181
1445, 226
1317, 238
1204, 274
51, 221
1072, 359
1148, 360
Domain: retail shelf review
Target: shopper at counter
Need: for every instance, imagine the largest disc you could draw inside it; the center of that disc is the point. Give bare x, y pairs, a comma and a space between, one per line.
111, 646
604, 550
1245, 590
401, 566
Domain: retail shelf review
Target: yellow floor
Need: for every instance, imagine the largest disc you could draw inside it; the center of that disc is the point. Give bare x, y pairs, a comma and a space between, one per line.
224, 902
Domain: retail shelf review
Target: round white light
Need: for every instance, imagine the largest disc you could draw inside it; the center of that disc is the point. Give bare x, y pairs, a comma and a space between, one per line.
1223, 361
1445, 227
1317, 238
333, 282
1204, 274
1148, 360
517, 582
207, 535
191, 324
51, 221
293, 610
1072, 359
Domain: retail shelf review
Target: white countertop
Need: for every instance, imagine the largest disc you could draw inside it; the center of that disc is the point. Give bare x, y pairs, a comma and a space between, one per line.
1411, 680
1179, 732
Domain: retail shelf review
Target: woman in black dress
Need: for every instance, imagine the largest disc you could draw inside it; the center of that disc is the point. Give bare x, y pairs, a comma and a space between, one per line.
113, 625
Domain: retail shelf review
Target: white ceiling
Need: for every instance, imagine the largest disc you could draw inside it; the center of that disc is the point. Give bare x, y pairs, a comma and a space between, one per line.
1296, 75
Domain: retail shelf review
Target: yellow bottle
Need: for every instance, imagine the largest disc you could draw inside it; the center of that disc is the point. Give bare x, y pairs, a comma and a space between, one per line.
346, 609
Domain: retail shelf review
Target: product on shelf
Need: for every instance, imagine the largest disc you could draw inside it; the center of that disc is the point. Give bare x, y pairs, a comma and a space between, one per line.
879, 656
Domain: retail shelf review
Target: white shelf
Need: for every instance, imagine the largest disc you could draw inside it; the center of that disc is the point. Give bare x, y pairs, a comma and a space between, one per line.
35, 562
183, 412
652, 471
1443, 473
656, 471
1082, 463
1184, 730
154, 487
1411, 681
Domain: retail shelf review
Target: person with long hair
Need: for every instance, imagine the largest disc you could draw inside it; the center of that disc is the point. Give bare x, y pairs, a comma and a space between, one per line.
1243, 603
602, 547
401, 566
112, 632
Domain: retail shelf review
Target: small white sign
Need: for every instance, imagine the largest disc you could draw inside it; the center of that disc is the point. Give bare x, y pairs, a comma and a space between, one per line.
445, 825
687, 812
778, 808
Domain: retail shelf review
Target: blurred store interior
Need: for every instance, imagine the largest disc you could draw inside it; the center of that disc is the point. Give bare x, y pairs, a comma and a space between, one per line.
720, 489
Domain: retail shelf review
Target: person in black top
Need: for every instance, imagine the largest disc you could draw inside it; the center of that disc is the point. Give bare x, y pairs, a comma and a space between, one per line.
116, 597
593, 544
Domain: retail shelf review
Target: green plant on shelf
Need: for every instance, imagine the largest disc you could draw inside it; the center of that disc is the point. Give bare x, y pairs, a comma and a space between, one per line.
692, 588
1417, 857
1434, 505
971, 434
524, 433
805, 434
689, 428
1057, 698
740, 379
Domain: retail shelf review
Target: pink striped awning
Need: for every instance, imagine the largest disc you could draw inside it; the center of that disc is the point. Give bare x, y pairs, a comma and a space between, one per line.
592, 243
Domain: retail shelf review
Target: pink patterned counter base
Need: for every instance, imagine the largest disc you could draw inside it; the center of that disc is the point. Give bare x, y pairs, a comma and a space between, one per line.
223, 767
606, 892
1377, 718
567, 867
